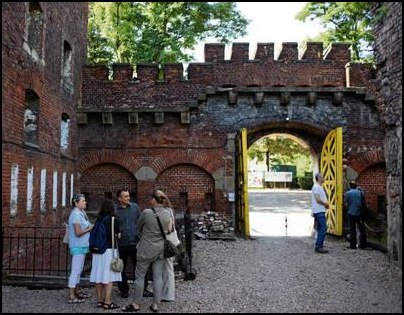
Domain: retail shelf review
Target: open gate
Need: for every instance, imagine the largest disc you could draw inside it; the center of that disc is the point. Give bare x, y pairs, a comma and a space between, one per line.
242, 216
331, 168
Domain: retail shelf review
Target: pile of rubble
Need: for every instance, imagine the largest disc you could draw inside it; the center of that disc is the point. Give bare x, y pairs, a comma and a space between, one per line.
211, 225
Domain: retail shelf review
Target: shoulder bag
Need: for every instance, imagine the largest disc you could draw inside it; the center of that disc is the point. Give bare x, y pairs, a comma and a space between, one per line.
170, 250
173, 236
66, 236
116, 262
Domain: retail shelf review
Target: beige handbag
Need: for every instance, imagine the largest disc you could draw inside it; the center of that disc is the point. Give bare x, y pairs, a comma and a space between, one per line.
66, 236
172, 236
116, 262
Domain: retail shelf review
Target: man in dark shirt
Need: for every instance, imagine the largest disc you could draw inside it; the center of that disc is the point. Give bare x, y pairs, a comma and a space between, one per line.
354, 201
127, 214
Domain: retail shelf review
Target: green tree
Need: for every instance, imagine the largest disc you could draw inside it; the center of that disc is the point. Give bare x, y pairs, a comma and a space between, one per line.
277, 150
137, 32
344, 22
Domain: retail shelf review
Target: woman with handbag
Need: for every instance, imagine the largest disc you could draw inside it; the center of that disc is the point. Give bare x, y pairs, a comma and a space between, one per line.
153, 222
168, 291
101, 272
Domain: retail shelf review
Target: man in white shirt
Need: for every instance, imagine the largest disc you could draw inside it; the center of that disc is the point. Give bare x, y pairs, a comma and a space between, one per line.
319, 204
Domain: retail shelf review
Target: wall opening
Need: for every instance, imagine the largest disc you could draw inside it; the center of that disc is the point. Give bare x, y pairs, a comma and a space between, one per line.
35, 25
31, 117
280, 177
67, 80
64, 133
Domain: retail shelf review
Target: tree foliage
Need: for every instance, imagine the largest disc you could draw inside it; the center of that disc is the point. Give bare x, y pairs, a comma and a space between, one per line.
344, 22
136, 32
277, 150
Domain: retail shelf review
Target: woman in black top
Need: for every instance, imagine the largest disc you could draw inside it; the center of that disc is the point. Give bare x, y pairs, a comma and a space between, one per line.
101, 272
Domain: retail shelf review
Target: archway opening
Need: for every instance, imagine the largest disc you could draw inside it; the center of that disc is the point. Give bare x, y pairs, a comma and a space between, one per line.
280, 176
102, 181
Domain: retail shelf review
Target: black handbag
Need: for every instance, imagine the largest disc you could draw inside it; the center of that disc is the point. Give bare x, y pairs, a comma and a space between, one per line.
170, 250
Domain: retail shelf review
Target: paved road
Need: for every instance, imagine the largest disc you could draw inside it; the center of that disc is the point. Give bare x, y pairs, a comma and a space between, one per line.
280, 212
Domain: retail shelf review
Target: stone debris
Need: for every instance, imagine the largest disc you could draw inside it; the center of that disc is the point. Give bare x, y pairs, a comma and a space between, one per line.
212, 225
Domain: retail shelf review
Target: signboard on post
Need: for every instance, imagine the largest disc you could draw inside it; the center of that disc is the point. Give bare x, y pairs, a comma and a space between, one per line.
278, 176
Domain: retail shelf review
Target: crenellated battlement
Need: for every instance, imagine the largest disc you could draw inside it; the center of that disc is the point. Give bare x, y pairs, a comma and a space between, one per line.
338, 52
313, 67
312, 51
215, 63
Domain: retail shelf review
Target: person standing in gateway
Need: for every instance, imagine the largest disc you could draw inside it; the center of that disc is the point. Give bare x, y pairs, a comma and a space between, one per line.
354, 201
127, 215
319, 205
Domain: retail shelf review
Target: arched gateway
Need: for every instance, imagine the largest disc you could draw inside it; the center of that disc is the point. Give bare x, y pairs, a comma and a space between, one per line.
187, 133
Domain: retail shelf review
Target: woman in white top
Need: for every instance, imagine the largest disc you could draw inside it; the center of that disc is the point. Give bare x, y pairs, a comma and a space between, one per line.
79, 235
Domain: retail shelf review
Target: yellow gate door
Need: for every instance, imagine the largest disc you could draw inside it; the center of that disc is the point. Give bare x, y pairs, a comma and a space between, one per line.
242, 215
331, 168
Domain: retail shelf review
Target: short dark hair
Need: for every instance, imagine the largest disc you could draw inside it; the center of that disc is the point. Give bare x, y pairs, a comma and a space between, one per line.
119, 192
317, 176
353, 184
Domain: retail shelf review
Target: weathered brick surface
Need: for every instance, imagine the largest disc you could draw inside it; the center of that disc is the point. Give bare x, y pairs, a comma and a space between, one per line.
373, 181
178, 133
388, 43
276, 103
61, 22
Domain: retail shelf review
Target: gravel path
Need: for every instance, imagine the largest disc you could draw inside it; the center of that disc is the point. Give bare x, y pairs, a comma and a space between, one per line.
258, 276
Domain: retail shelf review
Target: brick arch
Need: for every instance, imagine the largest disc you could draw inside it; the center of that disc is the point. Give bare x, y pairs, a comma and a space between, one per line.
125, 160
363, 161
188, 185
195, 157
103, 180
310, 135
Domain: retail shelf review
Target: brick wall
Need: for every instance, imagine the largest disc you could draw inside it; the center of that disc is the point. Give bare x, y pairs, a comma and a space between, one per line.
194, 182
103, 181
144, 127
373, 181
388, 51
264, 95
40, 71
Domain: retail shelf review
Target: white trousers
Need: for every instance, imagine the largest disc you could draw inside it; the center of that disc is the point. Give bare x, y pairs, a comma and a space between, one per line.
77, 268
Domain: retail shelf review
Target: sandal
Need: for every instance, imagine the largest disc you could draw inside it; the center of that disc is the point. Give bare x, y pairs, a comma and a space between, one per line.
75, 301
154, 308
110, 306
100, 304
82, 295
130, 309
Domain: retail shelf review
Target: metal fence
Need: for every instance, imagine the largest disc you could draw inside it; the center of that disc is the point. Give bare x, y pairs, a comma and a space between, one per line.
37, 252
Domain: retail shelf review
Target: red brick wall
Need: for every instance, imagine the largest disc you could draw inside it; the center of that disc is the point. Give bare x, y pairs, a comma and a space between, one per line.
373, 180
187, 179
62, 22
265, 71
105, 178
388, 52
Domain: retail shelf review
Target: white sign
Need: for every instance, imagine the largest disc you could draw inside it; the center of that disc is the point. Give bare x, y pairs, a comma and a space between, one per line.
278, 176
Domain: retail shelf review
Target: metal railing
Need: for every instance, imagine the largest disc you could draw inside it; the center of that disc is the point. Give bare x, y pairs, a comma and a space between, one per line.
37, 252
